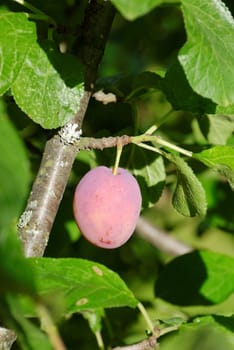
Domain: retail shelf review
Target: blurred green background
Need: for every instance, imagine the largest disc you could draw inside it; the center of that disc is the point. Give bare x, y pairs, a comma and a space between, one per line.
150, 43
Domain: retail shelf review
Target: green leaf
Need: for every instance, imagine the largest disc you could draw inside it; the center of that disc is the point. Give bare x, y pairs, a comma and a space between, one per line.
131, 9
197, 278
205, 333
14, 170
15, 271
17, 34
84, 284
221, 158
149, 171
228, 110
207, 55
189, 197
181, 95
49, 86
217, 128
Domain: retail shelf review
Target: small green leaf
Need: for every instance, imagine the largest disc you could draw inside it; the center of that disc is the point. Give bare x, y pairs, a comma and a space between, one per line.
205, 333
49, 86
189, 197
217, 128
209, 279
84, 284
131, 9
221, 158
207, 55
17, 34
149, 171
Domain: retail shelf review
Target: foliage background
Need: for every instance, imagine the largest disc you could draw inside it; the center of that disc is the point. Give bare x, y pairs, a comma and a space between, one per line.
148, 43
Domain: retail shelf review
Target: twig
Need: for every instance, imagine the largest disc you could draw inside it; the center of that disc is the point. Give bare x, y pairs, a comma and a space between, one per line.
161, 239
146, 344
144, 313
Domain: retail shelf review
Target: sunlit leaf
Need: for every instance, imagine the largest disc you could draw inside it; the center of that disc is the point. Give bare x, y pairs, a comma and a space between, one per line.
17, 34
221, 158
217, 128
207, 55
84, 284
200, 277
49, 86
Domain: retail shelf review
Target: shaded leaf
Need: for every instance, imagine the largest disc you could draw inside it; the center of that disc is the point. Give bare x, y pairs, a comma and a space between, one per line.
49, 86
181, 95
149, 171
189, 197
207, 55
209, 279
15, 271
129, 86
84, 284
221, 158
17, 34
14, 170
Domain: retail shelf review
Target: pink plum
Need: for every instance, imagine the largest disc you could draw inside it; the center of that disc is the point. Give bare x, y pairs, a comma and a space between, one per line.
106, 206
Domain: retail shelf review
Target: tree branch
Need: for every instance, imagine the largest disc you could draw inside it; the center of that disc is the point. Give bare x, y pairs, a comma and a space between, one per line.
146, 344
35, 223
161, 239
7, 338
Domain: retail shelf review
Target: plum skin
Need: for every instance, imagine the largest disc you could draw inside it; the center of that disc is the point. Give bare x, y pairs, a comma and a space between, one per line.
106, 206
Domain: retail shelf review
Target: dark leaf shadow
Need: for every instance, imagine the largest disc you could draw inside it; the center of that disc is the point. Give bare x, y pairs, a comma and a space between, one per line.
181, 280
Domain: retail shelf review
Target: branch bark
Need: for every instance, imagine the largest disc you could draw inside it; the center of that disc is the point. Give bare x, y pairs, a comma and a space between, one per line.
7, 338
146, 344
161, 239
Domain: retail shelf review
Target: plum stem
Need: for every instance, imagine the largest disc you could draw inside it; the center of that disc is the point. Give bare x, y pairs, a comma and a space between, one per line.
119, 149
99, 340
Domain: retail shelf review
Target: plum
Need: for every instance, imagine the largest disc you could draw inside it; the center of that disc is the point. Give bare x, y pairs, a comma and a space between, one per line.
106, 206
